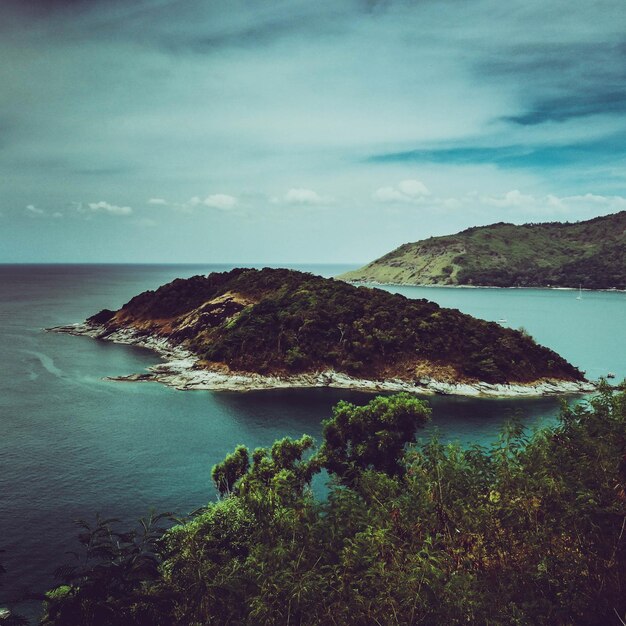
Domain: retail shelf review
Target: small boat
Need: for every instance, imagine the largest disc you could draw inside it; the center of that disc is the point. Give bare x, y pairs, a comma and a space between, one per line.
503, 320
610, 375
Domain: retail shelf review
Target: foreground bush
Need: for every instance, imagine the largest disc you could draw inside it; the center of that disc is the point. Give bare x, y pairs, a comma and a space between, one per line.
528, 531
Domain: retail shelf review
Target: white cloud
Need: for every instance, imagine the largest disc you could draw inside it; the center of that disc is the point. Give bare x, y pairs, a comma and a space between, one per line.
616, 202
555, 202
221, 201
410, 191
389, 194
304, 196
157, 201
106, 207
511, 199
413, 188
33, 210
517, 203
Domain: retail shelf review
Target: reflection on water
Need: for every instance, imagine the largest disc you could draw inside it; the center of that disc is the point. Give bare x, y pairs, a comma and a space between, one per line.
454, 418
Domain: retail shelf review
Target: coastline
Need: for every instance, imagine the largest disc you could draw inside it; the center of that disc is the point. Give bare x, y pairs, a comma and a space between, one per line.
362, 283
180, 369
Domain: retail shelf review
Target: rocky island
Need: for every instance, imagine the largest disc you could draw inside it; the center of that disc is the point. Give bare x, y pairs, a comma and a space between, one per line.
270, 328
590, 254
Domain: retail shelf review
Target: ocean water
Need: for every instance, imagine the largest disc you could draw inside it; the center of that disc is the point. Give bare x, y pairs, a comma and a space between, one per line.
73, 444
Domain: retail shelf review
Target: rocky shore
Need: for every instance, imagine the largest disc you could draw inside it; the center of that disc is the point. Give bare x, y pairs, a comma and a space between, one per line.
182, 370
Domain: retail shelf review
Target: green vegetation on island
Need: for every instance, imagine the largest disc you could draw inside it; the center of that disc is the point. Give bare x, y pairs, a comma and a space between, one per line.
591, 254
530, 530
278, 321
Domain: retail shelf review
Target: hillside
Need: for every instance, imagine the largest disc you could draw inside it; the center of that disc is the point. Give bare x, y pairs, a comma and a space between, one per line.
278, 322
590, 254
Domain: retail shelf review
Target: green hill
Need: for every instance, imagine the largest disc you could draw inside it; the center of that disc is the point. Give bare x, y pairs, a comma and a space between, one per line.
282, 322
590, 254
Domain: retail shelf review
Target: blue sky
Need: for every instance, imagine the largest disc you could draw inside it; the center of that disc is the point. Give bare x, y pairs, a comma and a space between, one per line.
286, 131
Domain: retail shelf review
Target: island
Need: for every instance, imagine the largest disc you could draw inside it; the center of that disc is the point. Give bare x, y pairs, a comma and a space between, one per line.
271, 328
587, 255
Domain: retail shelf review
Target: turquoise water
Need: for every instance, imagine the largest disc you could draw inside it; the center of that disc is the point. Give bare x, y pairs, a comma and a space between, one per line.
72, 444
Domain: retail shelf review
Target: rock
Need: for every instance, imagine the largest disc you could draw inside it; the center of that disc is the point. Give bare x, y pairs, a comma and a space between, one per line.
132, 378
180, 369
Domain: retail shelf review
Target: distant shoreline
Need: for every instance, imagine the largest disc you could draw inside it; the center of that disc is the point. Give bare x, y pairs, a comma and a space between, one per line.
363, 283
181, 370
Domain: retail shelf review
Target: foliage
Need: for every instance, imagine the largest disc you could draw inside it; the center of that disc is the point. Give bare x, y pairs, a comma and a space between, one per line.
108, 582
528, 531
305, 323
590, 253
374, 436
230, 470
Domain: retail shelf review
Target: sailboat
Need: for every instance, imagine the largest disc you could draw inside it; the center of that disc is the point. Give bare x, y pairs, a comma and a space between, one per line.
580, 293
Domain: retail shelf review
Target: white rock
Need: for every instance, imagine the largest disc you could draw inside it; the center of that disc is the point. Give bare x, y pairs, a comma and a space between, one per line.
180, 370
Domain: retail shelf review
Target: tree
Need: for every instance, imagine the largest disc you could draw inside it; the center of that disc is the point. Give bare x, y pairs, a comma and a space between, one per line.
372, 436
230, 470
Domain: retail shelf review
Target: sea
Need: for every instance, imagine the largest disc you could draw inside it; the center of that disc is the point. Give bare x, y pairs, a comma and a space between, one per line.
74, 445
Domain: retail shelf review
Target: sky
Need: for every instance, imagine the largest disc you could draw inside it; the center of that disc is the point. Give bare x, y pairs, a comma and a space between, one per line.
284, 131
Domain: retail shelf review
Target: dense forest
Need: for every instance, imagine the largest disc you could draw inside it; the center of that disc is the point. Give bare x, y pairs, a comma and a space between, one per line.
590, 254
530, 530
278, 321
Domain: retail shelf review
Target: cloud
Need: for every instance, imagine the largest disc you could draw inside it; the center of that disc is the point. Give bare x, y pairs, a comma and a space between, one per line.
31, 209
35, 211
413, 188
303, 196
512, 205
221, 201
344, 99
538, 155
566, 108
511, 199
614, 202
389, 194
564, 80
106, 207
522, 205
409, 191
